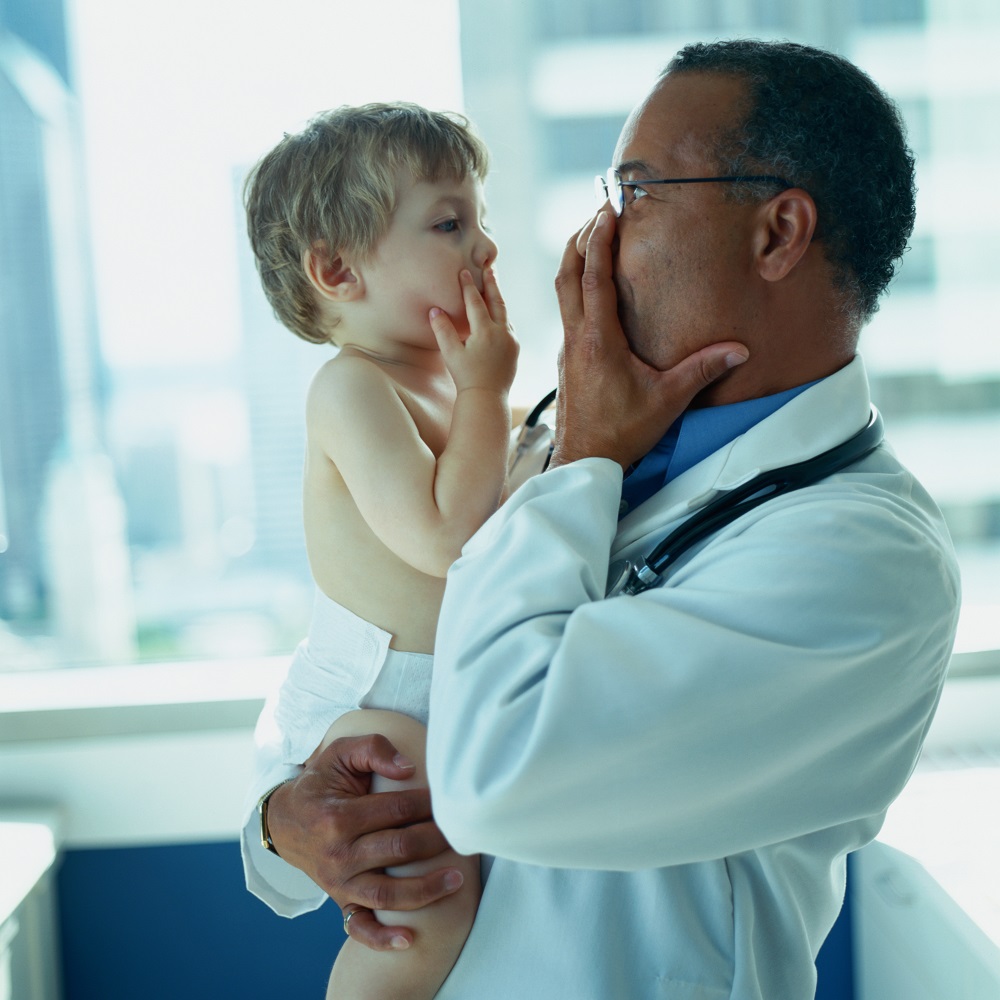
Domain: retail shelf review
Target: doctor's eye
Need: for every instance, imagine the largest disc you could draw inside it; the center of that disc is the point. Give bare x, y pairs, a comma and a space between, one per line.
637, 192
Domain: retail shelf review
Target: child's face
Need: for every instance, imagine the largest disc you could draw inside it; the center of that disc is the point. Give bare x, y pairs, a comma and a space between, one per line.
436, 231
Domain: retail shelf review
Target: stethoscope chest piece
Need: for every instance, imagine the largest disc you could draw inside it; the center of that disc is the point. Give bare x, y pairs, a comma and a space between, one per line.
627, 577
619, 574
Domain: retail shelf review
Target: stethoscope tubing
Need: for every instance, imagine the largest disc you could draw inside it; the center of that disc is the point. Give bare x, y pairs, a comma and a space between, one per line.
635, 576
766, 486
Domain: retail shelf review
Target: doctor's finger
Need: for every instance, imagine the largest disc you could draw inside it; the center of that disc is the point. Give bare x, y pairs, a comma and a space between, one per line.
600, 301
378, 891
680, 384
364, 755
366, 930
568, 290
392, 844
584, 234
386, 822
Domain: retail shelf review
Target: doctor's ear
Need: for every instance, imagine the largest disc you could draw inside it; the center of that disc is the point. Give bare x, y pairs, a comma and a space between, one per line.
786, 229
330, 274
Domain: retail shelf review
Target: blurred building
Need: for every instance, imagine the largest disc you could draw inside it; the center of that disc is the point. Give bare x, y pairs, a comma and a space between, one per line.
64, 566
277, 367
31, 383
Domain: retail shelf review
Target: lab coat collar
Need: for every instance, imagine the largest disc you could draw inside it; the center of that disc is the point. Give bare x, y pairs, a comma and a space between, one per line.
820, 418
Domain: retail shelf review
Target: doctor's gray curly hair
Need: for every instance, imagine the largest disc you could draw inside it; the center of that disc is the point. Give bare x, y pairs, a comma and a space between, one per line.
823, 124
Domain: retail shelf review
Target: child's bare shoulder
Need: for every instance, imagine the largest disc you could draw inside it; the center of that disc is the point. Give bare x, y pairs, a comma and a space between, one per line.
346, 384
353, 402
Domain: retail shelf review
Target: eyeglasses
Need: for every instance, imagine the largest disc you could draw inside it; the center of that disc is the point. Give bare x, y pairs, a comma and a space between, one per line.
612, 188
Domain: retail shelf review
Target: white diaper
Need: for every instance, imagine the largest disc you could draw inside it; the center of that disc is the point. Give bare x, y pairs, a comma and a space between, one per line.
343, 664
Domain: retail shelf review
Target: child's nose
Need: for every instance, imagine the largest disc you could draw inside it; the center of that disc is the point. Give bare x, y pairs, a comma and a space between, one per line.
485, 252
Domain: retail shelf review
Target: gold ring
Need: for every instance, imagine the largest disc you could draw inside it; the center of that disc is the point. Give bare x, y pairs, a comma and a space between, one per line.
347, 920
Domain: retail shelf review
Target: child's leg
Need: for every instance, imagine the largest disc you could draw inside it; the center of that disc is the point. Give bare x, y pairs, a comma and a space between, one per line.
440, 929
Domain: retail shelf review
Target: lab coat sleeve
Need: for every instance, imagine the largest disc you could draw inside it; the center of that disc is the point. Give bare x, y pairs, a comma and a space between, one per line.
285, 889
780, 683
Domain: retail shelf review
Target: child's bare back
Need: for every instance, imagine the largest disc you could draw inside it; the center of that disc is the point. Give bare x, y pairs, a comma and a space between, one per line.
369, 576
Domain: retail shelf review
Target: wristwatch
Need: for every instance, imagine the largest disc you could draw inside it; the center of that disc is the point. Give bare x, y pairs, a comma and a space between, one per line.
265, 833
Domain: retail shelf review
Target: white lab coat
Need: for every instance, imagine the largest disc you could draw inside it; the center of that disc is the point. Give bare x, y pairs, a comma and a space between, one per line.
671, 782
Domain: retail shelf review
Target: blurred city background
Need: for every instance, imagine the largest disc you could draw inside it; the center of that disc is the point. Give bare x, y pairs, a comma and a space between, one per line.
151, 407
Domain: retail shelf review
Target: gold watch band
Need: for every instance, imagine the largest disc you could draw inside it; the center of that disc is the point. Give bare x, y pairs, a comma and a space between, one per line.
265, 833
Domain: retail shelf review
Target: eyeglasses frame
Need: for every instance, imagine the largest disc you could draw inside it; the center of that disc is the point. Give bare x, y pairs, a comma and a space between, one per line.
614, 182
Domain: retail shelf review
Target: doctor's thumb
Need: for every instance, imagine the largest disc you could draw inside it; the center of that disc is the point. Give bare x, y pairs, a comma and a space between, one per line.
699, 370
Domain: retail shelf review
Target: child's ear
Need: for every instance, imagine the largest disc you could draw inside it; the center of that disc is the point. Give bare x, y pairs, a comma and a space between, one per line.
331, 275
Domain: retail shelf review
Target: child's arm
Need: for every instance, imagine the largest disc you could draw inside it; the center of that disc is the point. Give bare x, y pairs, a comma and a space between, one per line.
518, 414
483, 369
424, 508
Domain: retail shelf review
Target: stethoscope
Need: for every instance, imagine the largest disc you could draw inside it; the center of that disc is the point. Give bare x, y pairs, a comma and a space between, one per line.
634, 576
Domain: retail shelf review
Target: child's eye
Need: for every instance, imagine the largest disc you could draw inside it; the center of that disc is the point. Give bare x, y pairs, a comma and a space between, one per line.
448, 226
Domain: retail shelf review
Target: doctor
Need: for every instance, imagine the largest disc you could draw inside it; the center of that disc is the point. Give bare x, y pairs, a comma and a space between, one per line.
670, 782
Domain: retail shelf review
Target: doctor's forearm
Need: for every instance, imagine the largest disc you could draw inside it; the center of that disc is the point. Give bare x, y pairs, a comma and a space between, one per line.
483, 665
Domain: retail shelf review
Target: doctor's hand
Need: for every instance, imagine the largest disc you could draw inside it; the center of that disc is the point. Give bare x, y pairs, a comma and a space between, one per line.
326, 824
611, 404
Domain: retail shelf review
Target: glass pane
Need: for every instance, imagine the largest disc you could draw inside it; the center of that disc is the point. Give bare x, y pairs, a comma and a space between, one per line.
150, 405
931, 350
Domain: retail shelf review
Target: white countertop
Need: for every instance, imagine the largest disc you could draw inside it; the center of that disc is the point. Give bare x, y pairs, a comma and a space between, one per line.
28, 849
948, 819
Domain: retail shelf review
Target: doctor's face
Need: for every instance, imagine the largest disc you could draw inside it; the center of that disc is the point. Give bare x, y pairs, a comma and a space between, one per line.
683, 251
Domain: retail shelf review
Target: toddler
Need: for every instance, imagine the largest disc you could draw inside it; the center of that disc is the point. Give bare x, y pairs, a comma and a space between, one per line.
368, 230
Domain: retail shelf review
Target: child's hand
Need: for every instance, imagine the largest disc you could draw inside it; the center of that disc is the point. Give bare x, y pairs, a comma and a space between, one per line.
487, 358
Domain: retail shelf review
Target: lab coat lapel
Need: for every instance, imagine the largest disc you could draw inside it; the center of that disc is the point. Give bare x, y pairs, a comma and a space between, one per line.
820, 418
675, 501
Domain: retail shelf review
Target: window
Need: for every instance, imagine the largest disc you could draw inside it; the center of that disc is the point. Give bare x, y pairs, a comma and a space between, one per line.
574, 145
917, 267
150, 405
888, 12
931, 352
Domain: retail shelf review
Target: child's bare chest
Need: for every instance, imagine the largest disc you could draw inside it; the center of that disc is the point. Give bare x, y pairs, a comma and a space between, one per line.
431, 411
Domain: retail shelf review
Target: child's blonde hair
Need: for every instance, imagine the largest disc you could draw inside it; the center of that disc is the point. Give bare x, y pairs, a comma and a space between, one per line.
334, 183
